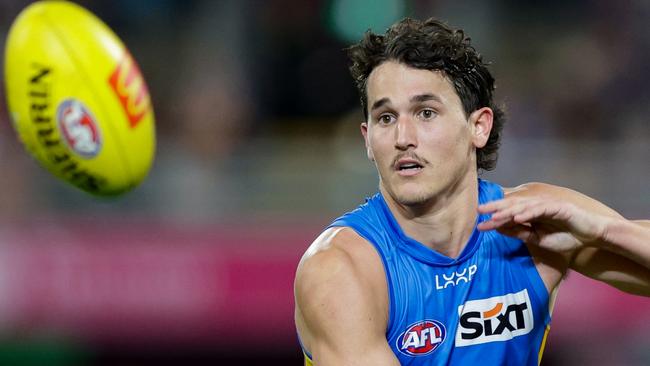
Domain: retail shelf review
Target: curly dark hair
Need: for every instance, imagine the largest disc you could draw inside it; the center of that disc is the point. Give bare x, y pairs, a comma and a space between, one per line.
433, 45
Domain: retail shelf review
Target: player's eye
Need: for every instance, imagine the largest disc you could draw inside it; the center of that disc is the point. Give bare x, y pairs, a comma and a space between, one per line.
427, 114
386, 119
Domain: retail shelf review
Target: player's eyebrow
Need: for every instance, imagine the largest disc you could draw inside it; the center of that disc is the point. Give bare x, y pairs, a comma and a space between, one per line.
378, 104
414, 99
425, 97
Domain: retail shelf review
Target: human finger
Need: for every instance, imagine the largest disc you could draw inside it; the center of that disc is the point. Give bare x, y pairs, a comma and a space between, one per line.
494, 206
492, 224
513, 209
539, 210
521, 232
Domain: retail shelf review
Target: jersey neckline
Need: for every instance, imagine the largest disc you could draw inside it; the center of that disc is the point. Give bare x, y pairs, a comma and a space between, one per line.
425, 254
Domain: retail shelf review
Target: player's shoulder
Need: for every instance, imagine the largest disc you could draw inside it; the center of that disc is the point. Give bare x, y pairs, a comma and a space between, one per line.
337, 253
342, 261
327, 256
341, 294
340, 268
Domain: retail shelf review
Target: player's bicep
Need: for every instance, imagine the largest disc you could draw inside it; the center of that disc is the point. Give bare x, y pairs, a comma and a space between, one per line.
344, 324
613, 269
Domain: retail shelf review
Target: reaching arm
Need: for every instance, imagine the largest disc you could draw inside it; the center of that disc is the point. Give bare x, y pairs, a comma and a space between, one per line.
337, 312
621, 257
628, 238
597, 241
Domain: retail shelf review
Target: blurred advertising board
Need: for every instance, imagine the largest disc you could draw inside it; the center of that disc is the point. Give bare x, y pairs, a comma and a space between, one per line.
155, 282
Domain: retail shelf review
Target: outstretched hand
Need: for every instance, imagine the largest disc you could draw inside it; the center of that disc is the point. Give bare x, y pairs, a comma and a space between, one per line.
544, 221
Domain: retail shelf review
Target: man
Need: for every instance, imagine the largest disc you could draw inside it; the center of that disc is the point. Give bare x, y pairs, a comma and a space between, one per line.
418, 275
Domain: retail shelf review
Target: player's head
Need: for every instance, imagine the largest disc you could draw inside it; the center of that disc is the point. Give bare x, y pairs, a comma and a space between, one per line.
432, 45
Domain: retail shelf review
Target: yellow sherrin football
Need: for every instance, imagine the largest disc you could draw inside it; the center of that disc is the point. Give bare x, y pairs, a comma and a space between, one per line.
77, 99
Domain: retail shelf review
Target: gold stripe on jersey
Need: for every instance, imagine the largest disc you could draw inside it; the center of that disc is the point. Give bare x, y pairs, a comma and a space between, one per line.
541, 348
308, 361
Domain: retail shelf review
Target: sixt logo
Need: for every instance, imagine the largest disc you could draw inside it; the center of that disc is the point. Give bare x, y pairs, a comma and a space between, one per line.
421, 338
455, 277
498, 318
78, 128
129, 85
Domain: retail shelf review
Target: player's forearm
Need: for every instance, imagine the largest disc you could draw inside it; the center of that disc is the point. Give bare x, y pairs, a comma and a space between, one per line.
629, 238
644, 223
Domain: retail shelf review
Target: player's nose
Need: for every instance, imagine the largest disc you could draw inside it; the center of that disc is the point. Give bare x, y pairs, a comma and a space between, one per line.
405, 133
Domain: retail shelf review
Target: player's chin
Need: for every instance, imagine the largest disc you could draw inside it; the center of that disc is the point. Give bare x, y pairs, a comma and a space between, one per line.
411, 194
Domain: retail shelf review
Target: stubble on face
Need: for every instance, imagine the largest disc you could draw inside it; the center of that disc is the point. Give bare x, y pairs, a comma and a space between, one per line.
417, 194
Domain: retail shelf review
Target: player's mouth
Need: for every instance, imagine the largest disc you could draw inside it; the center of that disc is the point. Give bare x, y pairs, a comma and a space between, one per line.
407, 167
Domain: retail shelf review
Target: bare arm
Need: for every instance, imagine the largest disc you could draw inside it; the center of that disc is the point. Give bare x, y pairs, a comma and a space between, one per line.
628, 238
621, 257
337, 313
596, 240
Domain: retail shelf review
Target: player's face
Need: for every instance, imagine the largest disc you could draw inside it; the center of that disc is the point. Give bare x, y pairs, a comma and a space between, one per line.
417, 133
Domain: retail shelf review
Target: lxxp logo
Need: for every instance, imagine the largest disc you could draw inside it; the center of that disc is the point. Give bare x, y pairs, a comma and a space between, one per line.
498, 318
455, 277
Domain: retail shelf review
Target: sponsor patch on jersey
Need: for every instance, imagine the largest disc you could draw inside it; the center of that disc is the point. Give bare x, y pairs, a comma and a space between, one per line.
455, 277
498, 318
421, 338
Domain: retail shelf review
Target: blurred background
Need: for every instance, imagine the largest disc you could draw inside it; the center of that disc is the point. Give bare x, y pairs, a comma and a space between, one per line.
259, 149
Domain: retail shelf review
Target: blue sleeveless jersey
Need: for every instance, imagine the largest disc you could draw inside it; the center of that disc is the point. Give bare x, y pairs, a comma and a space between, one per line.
489, 306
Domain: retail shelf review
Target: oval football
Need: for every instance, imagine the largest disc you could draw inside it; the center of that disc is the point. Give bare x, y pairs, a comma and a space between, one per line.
77, 99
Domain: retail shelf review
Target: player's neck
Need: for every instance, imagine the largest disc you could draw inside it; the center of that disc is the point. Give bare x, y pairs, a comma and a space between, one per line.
444, 224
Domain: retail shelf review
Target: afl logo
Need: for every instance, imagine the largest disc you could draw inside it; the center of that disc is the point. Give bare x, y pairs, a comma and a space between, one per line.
78, 128
421, 338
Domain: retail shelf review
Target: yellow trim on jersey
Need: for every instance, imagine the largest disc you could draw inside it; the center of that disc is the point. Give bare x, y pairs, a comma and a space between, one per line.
551, 306
541, 348
308, 361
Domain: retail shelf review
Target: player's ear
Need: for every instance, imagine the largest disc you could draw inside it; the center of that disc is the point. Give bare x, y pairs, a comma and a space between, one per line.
364, 132
481, 124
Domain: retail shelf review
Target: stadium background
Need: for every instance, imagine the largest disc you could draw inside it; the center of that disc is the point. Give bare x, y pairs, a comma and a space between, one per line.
258, 149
